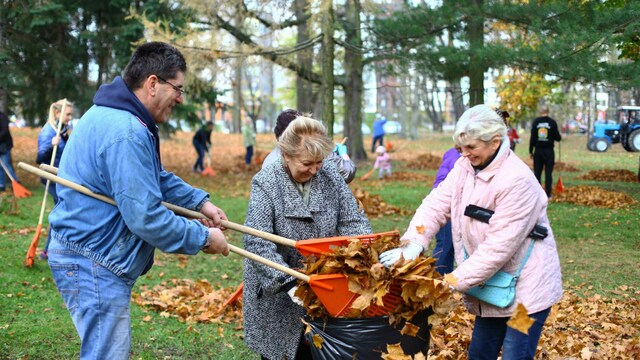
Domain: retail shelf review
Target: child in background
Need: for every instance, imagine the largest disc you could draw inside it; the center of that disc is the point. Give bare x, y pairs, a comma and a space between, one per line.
383, 162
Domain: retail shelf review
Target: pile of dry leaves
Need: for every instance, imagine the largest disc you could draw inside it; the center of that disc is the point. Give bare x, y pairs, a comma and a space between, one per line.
610, 175
190, 301
582, 326
375, 206
401, 291
425, 162
594, 196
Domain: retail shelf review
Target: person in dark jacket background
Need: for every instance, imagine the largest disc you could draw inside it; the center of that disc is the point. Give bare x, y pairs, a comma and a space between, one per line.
6, 144
544, 131
202, 143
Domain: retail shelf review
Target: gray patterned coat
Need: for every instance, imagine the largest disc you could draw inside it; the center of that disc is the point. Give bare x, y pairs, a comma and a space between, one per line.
272, 325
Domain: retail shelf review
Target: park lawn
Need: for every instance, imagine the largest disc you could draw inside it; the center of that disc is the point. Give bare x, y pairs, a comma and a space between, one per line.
598, 247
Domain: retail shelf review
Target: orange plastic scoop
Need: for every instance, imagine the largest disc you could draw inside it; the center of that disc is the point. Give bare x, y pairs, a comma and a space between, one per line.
332, 289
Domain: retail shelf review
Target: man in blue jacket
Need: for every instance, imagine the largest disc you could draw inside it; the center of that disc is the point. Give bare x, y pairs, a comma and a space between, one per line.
98, 250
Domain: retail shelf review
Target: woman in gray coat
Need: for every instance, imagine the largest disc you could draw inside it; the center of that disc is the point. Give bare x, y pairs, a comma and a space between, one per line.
297, 198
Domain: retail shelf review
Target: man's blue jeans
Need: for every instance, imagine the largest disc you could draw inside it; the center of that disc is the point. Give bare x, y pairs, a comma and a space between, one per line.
4, 179
491, 334
97, 300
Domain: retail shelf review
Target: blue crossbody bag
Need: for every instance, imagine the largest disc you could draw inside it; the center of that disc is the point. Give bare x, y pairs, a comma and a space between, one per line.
500, 289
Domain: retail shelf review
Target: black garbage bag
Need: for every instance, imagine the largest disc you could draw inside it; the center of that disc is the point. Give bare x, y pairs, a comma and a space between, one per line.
366, 338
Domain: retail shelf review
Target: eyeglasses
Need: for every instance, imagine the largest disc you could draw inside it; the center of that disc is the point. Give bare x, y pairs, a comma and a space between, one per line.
176, 88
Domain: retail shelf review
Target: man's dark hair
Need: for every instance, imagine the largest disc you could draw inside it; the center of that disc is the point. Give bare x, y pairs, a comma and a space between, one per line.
284, 119
154, 58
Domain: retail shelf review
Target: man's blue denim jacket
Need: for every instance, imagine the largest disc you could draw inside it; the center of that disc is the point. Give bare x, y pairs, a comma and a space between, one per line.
112, 152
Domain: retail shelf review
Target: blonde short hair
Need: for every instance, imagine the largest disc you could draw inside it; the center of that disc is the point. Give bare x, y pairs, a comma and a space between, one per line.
479, 123
306, 136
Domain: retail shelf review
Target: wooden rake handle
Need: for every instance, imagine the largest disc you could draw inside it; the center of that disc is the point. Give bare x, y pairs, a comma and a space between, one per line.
178, 210
49, 175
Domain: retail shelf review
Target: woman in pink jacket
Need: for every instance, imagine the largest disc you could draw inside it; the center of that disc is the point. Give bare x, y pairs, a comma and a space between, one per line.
490, 176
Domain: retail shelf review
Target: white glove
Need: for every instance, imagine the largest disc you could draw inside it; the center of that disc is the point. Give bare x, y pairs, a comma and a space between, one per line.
409, 251
294, 298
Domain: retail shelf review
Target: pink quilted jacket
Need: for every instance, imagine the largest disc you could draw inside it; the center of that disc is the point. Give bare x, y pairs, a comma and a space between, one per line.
508, 187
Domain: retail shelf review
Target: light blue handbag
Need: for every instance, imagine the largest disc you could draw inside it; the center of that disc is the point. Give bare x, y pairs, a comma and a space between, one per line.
500, 289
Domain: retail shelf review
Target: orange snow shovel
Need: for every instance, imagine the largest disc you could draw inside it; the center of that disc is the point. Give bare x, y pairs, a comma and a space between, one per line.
305, 247
332, 289
208, 171
31, 252
19, 191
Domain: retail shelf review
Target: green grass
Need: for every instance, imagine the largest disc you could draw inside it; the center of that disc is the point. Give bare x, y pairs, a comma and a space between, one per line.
599, 247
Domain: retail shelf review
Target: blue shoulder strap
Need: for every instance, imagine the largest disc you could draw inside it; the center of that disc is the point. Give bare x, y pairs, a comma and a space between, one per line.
524, 260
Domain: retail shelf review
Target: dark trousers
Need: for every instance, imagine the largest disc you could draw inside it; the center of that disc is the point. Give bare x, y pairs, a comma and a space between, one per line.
492, 334
544, 158
249, 155
377, 138
200, 149
443, 252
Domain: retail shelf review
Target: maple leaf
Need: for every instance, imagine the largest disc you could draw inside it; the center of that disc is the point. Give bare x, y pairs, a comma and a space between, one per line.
420, 229
586, 354
317, 341
410, 329
363, 301
450, 279
395, 352
520, 320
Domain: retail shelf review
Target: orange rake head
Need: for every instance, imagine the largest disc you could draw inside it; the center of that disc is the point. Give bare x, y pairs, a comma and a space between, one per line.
324, 245
208, 171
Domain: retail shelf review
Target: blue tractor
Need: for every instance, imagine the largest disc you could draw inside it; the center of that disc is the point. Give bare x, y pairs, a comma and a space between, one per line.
626, 131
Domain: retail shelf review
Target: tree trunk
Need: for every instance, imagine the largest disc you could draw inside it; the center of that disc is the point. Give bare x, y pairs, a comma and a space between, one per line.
353, 89
304, 89
477, 68
327, 65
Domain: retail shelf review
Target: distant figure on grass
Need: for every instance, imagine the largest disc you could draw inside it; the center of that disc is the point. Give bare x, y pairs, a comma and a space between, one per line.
443, 251
6, 144
248, 140
512, 132
338, 158
202, 144
99, 250
383, 162
47, 140
378, 132
544, 131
